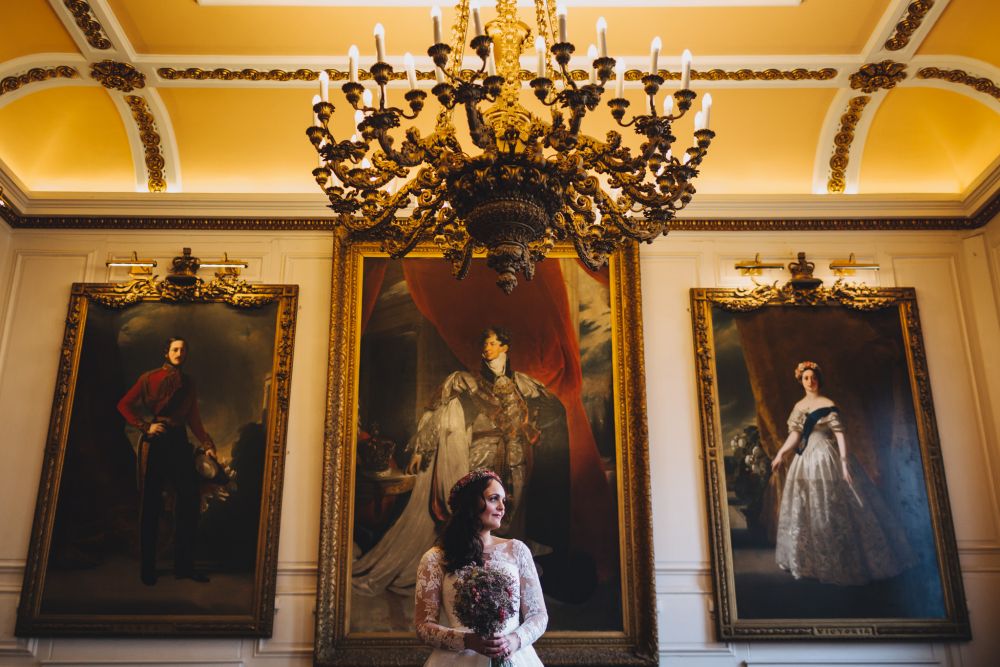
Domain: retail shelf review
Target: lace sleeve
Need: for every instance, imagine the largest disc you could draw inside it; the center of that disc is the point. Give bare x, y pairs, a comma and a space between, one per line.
534, 618
427, 605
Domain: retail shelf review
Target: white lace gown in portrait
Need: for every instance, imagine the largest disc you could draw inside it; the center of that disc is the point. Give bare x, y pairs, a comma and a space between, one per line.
435, 619
830, 530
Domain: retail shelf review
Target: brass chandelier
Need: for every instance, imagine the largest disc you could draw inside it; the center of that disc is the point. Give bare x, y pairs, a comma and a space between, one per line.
527, 183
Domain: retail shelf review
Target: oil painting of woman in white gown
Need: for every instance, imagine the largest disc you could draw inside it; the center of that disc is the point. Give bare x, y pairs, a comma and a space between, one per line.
833, 525
477, 502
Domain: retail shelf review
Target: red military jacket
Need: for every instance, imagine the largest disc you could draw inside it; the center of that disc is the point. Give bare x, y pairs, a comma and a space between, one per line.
166, 395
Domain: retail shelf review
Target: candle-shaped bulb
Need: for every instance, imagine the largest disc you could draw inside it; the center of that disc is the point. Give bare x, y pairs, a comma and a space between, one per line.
699, 121
668, 105
324, 85
366, 98
359, 116
322, 161
654, 55
602, 37
366, 164
436, 20
540, 48
491, 63
352, 62
411, 71
438, 74
477, 21
687, 158
685, 70
592, 56
379, 43
706, 109
561, 12
620, 78
597, 216
316, 100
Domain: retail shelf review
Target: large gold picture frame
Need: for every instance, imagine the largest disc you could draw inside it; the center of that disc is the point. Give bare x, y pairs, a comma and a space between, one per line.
366, 456
83, 574
885, 566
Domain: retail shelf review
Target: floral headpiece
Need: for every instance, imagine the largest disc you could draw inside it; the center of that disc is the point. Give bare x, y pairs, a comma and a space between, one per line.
475, 475
806, 366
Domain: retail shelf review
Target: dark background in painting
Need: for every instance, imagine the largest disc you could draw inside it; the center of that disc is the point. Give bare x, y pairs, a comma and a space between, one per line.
403, 361
93, 564
863, 358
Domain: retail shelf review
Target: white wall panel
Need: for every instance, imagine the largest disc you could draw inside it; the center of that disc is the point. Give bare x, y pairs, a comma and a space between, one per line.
29, 357
956, 402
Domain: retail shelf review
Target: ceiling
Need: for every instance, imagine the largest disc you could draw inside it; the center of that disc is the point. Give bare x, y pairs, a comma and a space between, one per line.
208, 112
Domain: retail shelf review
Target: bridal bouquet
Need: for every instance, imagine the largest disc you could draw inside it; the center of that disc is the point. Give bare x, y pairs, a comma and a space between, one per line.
484, 600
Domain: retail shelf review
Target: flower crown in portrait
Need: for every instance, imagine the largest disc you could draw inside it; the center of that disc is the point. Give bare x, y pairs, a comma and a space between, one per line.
475, 475
806, 366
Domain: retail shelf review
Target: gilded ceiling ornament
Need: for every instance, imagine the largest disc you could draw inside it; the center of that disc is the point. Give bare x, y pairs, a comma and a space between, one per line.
150, 142
915, 14
842, 143
35, 75
979, 219
90, 26
249, 74
981, 84
876, 76
117, 76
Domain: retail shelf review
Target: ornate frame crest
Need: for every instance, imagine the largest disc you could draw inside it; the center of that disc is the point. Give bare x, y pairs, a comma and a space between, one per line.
709, 306
36, 616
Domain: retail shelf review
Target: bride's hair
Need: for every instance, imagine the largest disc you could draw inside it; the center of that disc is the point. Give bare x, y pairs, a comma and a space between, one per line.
460, 538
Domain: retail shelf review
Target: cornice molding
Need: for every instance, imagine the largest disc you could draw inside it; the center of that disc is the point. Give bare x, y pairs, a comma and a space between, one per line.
831, 221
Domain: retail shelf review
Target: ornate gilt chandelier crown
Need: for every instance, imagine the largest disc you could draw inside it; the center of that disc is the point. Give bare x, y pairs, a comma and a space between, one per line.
529, 183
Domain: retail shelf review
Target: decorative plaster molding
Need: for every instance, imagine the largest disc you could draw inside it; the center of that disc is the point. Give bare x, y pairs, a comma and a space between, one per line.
305, 74
842, 143
92, 29
36, 75
876, 76
150, 141
915, 14
117, 76
979, 84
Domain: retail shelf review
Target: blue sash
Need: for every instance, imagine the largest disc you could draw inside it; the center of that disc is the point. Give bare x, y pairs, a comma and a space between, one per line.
810, 424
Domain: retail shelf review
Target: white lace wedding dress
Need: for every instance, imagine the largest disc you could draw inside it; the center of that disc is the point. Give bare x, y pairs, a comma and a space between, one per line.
434, 616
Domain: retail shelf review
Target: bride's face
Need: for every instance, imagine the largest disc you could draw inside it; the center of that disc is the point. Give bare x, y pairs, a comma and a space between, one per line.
495, 503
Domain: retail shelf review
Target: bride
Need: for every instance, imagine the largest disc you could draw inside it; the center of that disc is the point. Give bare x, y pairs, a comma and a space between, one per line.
833, 524
477, 504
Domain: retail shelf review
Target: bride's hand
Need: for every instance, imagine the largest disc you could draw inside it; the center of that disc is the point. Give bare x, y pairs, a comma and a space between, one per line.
847, 473
493, 647
778, 463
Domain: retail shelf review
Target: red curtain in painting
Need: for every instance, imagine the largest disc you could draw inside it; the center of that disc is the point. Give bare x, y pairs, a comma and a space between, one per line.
544, 346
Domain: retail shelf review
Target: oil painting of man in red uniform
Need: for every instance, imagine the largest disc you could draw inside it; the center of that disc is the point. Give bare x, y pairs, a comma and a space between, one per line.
163, 405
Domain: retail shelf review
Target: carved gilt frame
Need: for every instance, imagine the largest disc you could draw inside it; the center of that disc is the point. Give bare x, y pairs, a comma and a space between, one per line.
335, 643
953, 622
255, 617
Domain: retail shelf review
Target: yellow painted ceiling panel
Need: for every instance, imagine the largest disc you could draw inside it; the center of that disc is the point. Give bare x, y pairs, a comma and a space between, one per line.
184, 27
966, 28
243, 140
765, 140
909, 150
51, 150
30, 26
